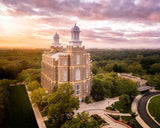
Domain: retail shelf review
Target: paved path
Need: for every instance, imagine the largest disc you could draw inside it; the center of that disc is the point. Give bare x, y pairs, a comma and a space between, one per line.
143, 112
112, 124
120, 114
38, 116
134, 109
99, 108
97, 105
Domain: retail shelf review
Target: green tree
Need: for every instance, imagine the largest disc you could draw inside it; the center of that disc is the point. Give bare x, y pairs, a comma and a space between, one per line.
155, 68
12, 70
38, 96
115, 68
62, 104
33, 85
2, 73
82, 120
94, 68
157, 81
24, 64
4, 94
126, 86
29, 75
98, 90
136, 68
124, 100
139, 58
108, 67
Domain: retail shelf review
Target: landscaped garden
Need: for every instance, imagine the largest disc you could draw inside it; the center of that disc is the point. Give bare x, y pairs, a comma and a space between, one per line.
154, 107
20, 111
130, 120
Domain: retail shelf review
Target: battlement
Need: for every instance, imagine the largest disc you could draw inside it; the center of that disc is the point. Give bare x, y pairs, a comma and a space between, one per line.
75, 48
63, 55
56, 49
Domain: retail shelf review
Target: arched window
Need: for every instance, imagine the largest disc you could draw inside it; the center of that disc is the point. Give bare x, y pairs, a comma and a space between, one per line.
87, 87
78, 76
65, 75
77, 89
87, 75
78, 59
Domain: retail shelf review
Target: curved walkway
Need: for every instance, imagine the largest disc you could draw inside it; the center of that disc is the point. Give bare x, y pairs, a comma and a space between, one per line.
97, 105
143, 112
99, 108
111, 123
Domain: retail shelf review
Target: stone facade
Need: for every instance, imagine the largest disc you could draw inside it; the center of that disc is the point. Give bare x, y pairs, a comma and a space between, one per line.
67, 65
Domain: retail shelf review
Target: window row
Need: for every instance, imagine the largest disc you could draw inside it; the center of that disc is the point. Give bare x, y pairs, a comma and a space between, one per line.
78, 59
77, 75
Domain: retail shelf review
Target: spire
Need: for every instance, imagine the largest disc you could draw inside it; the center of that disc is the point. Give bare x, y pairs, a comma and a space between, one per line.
56, 39
75, 32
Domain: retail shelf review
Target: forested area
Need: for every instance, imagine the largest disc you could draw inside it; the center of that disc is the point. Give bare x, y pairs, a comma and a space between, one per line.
110, 85
4, 100
25, 66
136, 61
16, 66
12, 62
142, 63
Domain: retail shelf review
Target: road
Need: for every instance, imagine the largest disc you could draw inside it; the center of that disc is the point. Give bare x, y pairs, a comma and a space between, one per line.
143, 112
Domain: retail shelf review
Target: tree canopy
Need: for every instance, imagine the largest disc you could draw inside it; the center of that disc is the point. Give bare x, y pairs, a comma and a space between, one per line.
124, 100
110, 85
62, 104
33, 85
4, 94
82, 120
38, 96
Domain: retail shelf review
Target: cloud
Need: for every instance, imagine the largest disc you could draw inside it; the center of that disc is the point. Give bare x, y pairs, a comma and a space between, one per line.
106, 22
109, 9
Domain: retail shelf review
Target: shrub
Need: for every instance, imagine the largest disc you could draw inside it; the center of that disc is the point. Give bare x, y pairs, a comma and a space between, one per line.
87, 101
33, 85
110, 108
98, 118
116, 117
124, 100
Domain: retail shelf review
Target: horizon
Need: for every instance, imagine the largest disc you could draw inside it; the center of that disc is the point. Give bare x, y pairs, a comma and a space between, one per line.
104, 24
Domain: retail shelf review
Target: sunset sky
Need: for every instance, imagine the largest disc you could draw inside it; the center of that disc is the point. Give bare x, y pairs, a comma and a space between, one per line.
103, 23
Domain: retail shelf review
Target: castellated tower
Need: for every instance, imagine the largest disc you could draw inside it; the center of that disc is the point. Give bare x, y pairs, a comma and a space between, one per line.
70, 65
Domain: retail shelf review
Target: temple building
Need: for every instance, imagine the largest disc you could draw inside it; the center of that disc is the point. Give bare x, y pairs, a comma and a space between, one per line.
67, 65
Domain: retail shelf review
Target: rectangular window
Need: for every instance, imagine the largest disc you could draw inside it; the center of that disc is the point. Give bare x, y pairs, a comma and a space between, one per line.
87, 61
87, 75
77, 90
78, 59
78, 74
86, 87
65, 62
65, 75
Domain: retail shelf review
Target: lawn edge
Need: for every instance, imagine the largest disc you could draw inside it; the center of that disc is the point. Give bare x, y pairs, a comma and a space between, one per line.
148, 109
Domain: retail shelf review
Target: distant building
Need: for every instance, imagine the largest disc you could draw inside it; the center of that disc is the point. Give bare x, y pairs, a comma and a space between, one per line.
67, 65
137, 80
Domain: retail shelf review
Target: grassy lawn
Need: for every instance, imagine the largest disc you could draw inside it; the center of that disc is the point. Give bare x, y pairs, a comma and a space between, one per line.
20, 111
118, 107
154, 107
